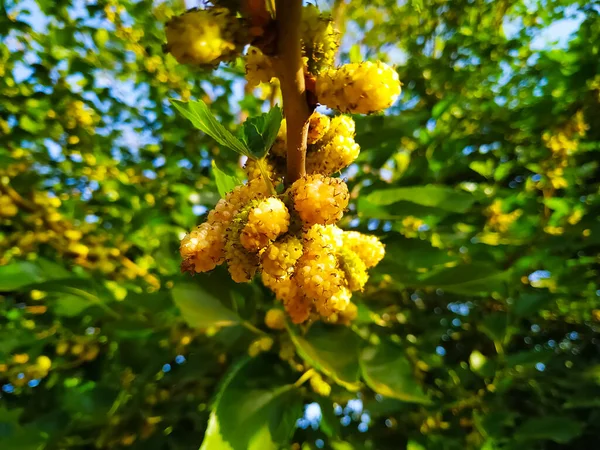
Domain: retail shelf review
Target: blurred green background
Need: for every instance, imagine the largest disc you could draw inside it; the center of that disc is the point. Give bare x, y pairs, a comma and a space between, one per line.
479, 330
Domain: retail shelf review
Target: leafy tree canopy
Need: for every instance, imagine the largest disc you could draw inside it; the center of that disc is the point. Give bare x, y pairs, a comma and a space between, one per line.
478, 330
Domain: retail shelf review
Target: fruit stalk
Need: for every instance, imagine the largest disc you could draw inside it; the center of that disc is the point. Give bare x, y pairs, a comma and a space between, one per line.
290, 69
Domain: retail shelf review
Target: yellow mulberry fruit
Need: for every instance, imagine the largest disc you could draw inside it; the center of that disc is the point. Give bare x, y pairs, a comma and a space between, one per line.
318, 125
266, 221
203, 248
362, 88
297, 305
354, 268
279, 258
43, 363
7, 207
259, 68
319, 385
204, 36
348, 315
320, 40
368, 248
241, 263
275, 319
273, 167
319, 199
317, 273
334, 156
299, 308
335, 304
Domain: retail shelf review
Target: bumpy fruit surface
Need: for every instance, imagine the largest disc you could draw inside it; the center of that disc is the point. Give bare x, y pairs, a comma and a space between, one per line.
332, 157
266, 221
318, 126
279, 258
296, 303
361, 88
259, 68
368, 248
320, 40
319, 199
204, 36
354, 269
275, 319
317, 272
203, 248
273, 168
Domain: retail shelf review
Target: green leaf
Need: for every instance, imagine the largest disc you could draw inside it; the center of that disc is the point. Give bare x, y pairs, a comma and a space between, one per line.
529, 304
69, 305
15, 436
483, 168
388, 372
442, 197
201, 309
331, 350
252, 411
472, 279
19, 274
198, 113
225, 183
354, 54
260, 132
555, 428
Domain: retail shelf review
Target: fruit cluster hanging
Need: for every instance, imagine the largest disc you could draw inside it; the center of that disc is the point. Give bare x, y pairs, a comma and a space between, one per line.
290, 239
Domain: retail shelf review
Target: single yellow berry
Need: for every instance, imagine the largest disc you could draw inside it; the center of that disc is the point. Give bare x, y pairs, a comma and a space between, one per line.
273, 167
332, 157
259, 68
275, 319
368, 248
204, 36
279, 258
319, 199
354, 269
362, 88
43, 363
318, 125
202, 249
266, 221
320, 40
317, 273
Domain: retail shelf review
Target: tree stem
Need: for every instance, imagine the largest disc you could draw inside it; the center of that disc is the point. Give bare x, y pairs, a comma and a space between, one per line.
290, 71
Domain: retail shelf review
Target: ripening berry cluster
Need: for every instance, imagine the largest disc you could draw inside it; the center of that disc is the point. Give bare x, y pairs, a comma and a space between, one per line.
206, 37
311, 265
331, 148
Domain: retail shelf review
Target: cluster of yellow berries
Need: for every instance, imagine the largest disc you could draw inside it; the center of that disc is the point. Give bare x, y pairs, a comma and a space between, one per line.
208, 36
361, 88
20, 370
204, 36
311, 265
562, 144
82, 348
331, 148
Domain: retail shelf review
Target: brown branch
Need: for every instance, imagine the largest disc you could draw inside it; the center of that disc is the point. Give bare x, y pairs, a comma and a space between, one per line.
290, 71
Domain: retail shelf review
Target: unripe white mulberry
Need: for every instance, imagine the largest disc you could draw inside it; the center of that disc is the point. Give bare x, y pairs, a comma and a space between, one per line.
362, 88
319, 199
279, 258
204, 36
268, 219
368, 248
